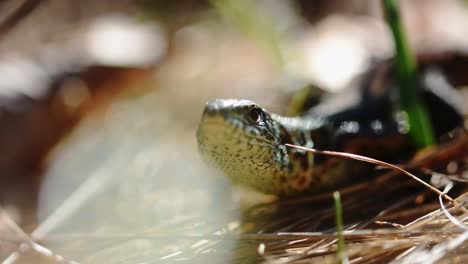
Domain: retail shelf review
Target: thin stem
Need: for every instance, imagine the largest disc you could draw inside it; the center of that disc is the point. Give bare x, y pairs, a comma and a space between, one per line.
339, 226
374, 161
420, 126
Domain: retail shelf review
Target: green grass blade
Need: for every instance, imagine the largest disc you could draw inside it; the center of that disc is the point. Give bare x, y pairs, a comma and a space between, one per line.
420, 126
339, 227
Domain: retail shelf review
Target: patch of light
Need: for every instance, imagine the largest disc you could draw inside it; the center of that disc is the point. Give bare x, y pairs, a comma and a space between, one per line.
22, 77
121, 41
377, 126
349, 126
334, 60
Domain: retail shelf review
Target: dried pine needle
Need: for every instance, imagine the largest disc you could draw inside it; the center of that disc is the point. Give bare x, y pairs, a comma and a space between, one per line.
373, 161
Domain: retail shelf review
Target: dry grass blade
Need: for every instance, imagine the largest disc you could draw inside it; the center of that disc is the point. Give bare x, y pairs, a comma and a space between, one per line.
421, 254
373, 161
23, 242
452, 219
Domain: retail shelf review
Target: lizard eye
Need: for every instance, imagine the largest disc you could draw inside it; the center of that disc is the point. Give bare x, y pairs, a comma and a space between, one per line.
255, 115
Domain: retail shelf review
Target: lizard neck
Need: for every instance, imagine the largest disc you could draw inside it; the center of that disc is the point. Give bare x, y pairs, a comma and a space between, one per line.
307, 132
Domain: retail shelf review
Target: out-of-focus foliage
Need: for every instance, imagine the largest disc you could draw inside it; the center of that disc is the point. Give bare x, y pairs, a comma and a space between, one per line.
254, 23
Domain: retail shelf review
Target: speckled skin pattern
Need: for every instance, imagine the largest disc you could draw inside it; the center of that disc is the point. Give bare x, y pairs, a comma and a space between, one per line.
246, 143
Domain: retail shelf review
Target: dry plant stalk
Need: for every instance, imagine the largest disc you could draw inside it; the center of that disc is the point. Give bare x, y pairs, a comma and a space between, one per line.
373, 161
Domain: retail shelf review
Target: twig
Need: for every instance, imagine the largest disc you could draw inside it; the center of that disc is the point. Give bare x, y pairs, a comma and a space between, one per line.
373, 161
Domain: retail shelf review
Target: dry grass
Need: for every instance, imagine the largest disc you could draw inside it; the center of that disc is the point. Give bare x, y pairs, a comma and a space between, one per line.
388, 219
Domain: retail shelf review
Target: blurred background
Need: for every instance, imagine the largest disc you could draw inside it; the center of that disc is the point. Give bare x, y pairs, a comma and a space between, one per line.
99, 103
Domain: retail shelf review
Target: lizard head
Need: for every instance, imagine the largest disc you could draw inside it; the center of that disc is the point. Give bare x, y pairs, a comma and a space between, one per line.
243, 141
